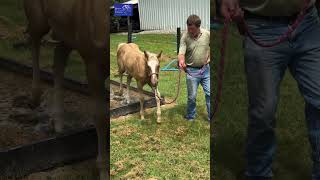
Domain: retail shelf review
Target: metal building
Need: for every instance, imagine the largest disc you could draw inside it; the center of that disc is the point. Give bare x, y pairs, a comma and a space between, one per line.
170, 14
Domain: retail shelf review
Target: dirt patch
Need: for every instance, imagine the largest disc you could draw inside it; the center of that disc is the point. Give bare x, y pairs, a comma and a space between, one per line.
9, 30
135, 169
21, 123
181, 131
118, 100
123, 131
12, 135
4, 29
150, 143
136, 172
84, 170
119, 166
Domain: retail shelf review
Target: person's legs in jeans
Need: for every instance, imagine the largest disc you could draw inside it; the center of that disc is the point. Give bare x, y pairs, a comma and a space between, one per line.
264, 68
205, 83
192, 87
305, 68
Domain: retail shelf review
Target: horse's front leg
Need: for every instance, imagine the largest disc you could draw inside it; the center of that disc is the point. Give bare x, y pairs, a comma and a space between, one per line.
36, 90
60, 59
158, 96
140, 88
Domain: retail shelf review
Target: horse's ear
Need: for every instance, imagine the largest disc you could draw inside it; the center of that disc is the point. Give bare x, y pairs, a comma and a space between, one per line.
146, 54
159, 55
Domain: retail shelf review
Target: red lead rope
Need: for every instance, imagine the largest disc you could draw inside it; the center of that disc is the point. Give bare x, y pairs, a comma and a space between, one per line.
221, 66
262, 44
285, 35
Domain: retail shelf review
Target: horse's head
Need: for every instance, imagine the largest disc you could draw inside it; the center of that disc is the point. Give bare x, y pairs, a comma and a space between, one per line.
153, 66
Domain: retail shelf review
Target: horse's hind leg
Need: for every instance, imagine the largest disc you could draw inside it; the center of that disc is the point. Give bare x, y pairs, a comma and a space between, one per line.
121, 70
60, 59
96, 78
121, 86
37, 28
36, 91
129, 78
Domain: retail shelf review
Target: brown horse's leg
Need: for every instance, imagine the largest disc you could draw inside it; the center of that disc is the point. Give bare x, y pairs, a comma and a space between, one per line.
129, 78
121, 86
37, 28
61, 55
121, 70
96, 77
157, 95
36, 90
35, 39
140, 88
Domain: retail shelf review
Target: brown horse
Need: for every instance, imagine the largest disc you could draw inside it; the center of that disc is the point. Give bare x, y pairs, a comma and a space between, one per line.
144, 67
82, 25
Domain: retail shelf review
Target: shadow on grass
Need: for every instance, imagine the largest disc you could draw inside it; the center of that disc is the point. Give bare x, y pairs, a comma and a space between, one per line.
291, 162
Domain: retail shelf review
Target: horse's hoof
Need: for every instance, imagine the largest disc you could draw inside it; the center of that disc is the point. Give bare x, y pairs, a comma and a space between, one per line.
118, 93
124, 102
127, 99
59, 129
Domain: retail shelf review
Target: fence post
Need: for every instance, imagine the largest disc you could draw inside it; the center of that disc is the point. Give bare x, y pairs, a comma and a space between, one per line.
178, 38
129, 30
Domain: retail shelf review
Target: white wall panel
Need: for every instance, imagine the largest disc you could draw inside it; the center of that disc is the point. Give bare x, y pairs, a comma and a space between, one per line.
170, 14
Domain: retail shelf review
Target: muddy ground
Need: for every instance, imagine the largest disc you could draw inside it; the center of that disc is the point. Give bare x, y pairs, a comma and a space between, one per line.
21, 123
118, 100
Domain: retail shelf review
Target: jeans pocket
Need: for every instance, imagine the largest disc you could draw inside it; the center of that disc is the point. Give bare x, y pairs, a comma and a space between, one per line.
266, 30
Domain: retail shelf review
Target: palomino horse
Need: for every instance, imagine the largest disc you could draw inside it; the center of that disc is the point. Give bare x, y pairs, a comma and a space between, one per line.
82, 25
144, 67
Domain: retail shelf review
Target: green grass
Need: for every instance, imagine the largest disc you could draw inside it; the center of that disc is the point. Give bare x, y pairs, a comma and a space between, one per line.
175, 149
292, 159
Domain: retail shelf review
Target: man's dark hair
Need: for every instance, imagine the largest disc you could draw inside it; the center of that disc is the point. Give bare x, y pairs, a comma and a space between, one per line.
194, 20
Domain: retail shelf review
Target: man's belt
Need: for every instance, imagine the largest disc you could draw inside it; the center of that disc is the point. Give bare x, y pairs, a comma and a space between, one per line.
197, 67
284, 19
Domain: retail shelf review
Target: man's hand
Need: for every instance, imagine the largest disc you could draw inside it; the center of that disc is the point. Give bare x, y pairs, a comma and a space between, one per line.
182, 63
231, 10
208, 60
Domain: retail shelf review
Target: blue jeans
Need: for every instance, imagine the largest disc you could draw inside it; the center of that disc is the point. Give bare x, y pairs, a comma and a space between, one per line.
265, 68
196, 77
